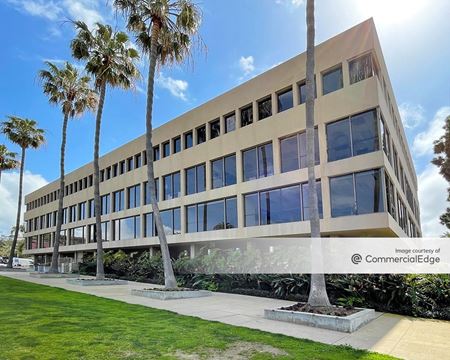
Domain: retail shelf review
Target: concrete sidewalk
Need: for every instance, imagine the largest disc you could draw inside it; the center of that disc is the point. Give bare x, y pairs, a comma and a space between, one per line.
400, 336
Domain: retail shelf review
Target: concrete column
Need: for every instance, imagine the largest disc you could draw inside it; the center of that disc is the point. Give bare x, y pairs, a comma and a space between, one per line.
192, 249
276, 156
274, 103
295, 94
255, 111
208, 175
345, 74
238, 118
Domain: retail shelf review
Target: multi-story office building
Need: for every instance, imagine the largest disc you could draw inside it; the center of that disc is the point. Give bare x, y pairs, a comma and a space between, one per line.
235, 167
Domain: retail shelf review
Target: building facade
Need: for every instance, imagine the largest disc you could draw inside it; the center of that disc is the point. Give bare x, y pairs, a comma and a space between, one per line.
235, 167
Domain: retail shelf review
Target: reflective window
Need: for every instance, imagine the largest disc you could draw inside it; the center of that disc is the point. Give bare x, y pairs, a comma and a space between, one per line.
156, 153
176, 144
134, 196
130, 164
171, 220
201, 134
332, 80
265, 108
230, 122
302, 91
137, 161
171, 184
356, 194
293, 151
246, 115
119, 200
213, 215
166, 149
195, 179
352, 136
258, 162
361, 68
285, 100
305, 199
214, 128
105, 202
223, 171
188, 140
390, 197
76, 236
127, 228
147, 191
386, 139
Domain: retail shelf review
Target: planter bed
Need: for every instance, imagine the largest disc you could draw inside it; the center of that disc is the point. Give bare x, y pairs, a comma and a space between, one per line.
95, 282
170, 294
341, 320
46, 275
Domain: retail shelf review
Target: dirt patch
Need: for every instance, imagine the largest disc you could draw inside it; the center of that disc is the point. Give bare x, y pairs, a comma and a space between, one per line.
325, 310
237, 351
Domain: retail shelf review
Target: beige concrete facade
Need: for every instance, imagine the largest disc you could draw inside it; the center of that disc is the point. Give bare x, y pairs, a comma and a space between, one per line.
374, 92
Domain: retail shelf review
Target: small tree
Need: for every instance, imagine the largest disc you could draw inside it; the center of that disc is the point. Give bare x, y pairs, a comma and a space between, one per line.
7, 160
65, 87
111, 61
442, 161
26, 134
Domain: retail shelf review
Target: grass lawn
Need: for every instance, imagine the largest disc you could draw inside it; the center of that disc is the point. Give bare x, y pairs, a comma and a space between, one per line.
40, 322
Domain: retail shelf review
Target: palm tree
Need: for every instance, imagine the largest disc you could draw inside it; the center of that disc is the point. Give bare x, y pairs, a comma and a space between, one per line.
7, 160
164, 30
26, 134
318, 292
111, 61
65, 87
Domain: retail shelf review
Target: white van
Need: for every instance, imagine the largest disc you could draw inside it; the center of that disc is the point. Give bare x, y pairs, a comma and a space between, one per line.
22, 262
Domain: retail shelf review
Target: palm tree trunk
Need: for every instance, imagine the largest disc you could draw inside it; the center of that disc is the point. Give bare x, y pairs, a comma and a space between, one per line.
169, 276
59, 219
97, 206
19, 211
318, 292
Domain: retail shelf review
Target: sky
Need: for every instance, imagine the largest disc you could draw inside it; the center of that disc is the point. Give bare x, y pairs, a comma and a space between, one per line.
243, 38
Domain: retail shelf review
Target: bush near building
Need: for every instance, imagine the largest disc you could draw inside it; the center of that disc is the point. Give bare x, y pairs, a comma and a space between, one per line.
413, 294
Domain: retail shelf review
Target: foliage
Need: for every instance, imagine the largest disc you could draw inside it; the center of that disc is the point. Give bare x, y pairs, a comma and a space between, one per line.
59, 324
416, 295
7, 159
442, 161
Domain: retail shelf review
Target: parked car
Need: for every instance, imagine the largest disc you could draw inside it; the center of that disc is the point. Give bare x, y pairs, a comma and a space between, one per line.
22, 262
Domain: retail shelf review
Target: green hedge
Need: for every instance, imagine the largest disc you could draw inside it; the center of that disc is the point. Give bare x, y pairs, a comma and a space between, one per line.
416, 295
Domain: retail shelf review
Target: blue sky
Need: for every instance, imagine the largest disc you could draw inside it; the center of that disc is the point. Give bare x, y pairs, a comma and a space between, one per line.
243, 38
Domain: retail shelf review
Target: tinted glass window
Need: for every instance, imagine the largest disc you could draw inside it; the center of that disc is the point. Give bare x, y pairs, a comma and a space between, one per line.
231, 213
289, 153
332, 81
302, 91
147, 191
217, 173
364, 133
338, 140
167, 220
246, 116
214, 128
149, 226
176, 185
177, 221
230, 170
188, 140
369, 197
166, 149
176, 145
230, 123
285, 100
168, 190
191, 218
201, 134
360, 68
251, 210
201, 178
190, 181
342, 196
250, 164
305, 200
215, 215
156, 153
265, 160
264, 108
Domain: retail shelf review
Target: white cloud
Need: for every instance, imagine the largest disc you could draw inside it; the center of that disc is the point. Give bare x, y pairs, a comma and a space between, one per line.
411, 115
293, 3
432, 200
176, 87
423, 142
247, 64
84, 10
46, 9
9, 189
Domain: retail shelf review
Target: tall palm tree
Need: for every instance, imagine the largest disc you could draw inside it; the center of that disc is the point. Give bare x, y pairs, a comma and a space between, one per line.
111, 61
318, 292
66, 87
7, 160
26, 134
164, 30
